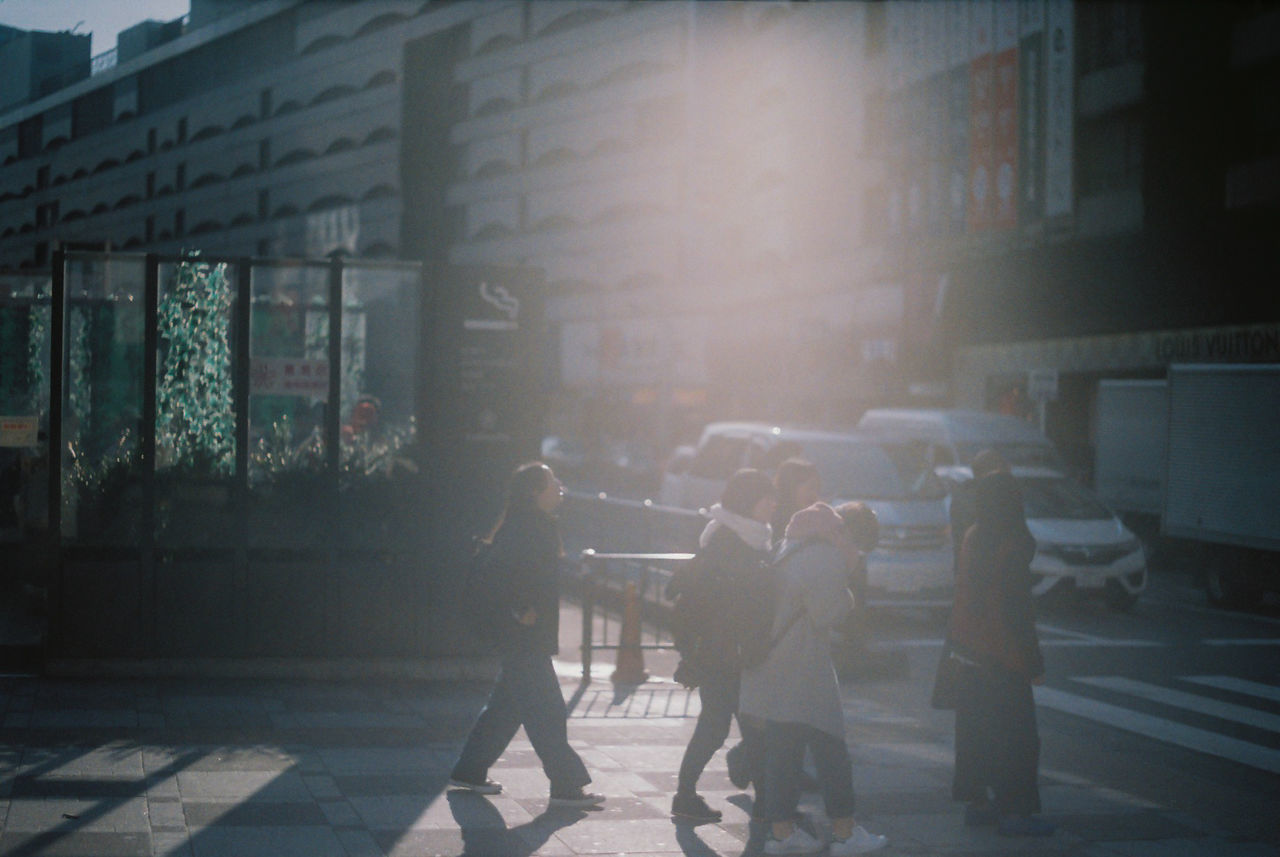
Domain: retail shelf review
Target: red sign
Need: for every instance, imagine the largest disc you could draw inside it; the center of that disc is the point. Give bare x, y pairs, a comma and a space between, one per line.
981, 143
1004, 212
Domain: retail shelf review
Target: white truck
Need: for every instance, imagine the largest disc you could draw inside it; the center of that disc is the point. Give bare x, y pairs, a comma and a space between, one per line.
1129, 445
1222, 475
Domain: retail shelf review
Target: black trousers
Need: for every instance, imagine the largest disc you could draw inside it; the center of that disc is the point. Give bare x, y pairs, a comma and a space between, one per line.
719, 696
526, 694
997, 743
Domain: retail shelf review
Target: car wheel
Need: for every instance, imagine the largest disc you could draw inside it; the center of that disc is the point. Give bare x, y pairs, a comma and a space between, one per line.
1119, 598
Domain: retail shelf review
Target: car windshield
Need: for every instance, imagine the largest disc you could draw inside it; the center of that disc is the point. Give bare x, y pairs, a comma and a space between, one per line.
1058, 497
1017, 454
855, 470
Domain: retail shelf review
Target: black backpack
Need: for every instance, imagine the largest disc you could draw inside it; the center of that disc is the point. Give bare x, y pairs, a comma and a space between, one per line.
726, 620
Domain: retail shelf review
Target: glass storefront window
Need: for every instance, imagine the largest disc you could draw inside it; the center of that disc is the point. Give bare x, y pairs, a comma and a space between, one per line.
102, 399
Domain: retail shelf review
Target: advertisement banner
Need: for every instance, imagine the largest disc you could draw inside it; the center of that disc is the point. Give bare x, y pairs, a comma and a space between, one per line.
937, 153
981, 117
956, 168
1031, 107
1059, 84
957, 148
1005, 110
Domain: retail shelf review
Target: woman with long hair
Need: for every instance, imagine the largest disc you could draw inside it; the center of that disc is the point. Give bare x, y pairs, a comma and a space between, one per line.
527, 693
993, 635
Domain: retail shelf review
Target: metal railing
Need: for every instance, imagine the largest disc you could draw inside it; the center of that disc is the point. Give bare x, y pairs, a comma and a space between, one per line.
604, 585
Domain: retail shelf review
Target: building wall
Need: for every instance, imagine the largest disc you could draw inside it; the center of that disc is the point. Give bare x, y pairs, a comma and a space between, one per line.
696, 182
269, 131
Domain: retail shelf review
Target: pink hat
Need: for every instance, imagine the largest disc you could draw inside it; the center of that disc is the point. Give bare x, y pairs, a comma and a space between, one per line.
816, 520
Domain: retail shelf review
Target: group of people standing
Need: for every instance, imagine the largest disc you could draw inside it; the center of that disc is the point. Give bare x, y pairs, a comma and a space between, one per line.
785, 694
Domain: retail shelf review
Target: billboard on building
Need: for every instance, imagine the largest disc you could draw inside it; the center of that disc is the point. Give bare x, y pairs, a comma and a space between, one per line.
982, 114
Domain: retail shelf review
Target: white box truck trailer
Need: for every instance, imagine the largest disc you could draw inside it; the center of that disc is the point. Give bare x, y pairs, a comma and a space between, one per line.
1129, 445
1222, 475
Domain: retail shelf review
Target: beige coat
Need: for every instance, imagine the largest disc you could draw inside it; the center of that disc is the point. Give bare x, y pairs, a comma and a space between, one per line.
797, 683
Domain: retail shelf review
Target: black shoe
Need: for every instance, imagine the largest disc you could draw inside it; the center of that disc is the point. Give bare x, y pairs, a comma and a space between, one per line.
576, 798
736, 759
693, 807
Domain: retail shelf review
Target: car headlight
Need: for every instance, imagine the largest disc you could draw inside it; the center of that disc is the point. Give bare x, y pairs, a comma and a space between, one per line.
1130, 546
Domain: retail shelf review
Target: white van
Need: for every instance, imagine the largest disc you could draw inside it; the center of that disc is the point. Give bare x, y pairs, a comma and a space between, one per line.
914, 555
950, 437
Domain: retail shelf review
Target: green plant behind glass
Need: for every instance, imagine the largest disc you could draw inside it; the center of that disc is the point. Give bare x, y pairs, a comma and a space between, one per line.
195, 418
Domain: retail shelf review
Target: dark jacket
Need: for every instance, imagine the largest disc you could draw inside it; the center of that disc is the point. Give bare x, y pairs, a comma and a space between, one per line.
993, 618
528, 544
714, 591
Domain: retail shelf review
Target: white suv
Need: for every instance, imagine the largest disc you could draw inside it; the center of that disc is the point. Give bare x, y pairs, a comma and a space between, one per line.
914, 555
1081, 546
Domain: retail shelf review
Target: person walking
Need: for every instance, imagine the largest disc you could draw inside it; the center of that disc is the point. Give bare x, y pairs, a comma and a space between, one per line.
796, 692
992, 634
798, 484
527, 692
711, 589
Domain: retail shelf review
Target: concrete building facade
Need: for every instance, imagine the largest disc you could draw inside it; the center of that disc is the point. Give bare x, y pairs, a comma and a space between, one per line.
778, 210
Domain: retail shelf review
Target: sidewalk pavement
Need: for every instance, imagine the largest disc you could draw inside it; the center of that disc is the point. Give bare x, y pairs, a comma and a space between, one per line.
240, 767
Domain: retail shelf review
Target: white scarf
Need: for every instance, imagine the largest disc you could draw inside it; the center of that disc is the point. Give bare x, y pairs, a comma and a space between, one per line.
757, 534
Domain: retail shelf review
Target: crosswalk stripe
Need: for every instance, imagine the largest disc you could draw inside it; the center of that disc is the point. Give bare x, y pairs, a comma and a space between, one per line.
1186, 701
1237, 685
1200, 740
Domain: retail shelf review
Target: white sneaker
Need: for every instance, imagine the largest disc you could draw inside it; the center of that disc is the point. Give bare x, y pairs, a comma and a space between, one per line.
859, 842
799, 842
488, 787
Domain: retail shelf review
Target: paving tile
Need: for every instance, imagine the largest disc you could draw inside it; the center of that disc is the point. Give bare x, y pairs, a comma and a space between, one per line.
260, 814
76, 844
106, 815
270, 786
948, 833
166, 814
415, 812
264, 841
426, 784
166, 843
359, 843
614, 783
374, 760
321, 786
340, 813
241, 759
647, 835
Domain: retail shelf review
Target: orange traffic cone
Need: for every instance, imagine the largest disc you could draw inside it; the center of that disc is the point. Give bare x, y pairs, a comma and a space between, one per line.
630, 664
